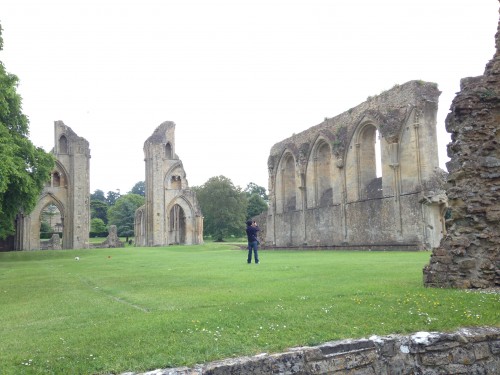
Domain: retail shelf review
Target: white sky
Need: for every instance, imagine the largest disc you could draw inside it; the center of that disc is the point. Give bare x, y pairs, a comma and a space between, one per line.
235, 76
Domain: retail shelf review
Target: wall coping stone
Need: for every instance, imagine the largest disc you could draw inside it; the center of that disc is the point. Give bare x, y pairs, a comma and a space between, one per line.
465, 351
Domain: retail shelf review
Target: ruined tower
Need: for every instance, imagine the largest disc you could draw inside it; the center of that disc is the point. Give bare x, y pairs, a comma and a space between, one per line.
171, 214
469, 255
67, 191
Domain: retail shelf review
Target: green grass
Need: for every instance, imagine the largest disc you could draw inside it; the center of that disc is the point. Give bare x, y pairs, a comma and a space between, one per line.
137, 309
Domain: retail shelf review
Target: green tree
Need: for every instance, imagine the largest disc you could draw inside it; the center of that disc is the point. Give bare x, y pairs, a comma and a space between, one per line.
99, 210
122, 214
253, 188
139, 188
224, 208
97, 226
112, 197
98, 195
257, 199
256, 205
24, 168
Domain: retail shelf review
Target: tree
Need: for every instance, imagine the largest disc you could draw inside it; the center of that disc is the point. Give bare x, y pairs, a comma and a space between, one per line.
122, 214
97, 226
256, 205
112, 197
98, 195
99, 210
24, 168
257, 199
253, 188
139, 188
224, 207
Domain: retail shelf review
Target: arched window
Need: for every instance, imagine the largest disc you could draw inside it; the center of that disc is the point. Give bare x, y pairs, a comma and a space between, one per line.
323, 175
288, 180
176, 182
168, 151
370, 185
56, 179
63, 145
177, 225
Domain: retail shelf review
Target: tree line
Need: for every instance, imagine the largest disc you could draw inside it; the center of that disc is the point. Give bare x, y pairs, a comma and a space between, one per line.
225, 208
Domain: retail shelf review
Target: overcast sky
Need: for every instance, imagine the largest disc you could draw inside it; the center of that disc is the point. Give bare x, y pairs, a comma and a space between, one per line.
235, 76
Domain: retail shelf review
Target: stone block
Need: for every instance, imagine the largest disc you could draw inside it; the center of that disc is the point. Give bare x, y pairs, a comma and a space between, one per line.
436, 358
481, 351
463, 356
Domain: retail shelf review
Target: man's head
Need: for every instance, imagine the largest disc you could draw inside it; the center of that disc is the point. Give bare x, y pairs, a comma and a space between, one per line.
249, 223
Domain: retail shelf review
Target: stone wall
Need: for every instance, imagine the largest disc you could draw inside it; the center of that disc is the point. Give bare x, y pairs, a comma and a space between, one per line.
469, 256
466, 351
323, 186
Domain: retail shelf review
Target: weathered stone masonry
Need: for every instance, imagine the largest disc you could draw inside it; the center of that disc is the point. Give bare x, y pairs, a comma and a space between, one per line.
469, 255
323, 186
68, 189
466, 351
171, 214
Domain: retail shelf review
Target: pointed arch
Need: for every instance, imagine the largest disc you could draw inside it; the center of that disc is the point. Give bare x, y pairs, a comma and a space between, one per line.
169, 153
286, 183
361, 162
180, 220
319, 182
63, 144
175, 177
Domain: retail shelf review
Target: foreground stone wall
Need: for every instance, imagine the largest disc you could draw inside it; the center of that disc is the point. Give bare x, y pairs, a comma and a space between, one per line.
469, 256
466, 351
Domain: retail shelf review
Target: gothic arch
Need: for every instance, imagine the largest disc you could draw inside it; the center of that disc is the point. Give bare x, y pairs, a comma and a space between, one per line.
169, 153
361, 163
59, 176
63, 144
175, 177
286, 183
36, 219
180, 219
319, 175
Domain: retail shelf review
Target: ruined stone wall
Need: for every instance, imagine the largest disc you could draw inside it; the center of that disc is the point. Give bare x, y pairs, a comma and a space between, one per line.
323, 186
68, 189
171, 214
469, 255
466, 351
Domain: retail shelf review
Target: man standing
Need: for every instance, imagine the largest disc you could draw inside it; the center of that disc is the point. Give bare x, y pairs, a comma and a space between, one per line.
253, 242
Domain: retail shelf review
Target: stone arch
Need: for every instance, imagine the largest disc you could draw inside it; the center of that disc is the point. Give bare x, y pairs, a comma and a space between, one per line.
175, 177
63, 144
286, 183
319, 182
169, 153
361, 166
180, 219
59, 176
36, 219
409, 154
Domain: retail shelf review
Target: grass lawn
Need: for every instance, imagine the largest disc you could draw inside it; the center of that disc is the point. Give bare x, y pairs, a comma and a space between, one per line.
138, 309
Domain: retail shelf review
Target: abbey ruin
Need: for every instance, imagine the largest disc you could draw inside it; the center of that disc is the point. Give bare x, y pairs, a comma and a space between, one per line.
67, 193
171, 214
323, 184
469, 255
